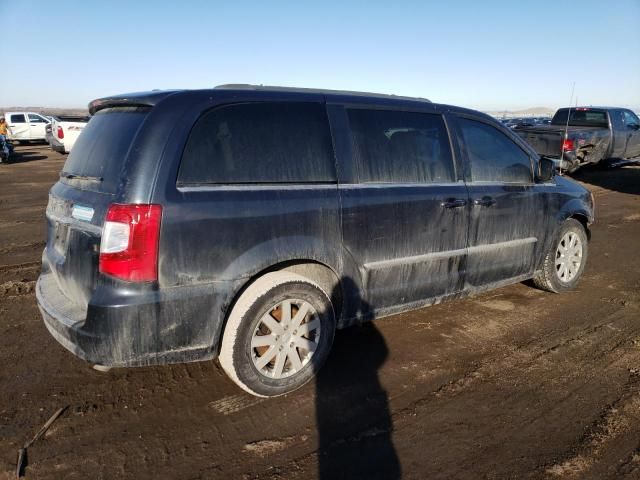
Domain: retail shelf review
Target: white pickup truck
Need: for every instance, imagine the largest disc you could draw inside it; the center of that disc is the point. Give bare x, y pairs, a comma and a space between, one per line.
65, 130
26, 126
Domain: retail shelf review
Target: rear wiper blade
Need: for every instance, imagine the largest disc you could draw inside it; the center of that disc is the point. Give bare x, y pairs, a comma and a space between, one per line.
73, 176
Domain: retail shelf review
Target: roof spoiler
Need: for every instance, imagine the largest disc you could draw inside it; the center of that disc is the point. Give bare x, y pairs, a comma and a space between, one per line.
140, 99
102, 103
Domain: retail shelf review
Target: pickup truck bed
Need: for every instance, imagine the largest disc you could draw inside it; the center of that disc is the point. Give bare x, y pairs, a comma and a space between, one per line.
593, 135
547, 139
65, 130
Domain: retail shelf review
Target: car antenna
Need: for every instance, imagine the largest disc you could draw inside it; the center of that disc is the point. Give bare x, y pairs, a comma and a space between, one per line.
566, 129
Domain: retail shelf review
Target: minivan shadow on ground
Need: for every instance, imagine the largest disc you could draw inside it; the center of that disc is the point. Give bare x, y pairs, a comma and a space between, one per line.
623, 180
359, 447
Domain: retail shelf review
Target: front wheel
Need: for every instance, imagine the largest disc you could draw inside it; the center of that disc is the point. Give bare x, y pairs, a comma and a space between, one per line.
278, 334
565, 261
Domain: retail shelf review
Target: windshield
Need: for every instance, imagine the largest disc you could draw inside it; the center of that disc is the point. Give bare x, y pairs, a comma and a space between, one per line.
581, 117
101, 148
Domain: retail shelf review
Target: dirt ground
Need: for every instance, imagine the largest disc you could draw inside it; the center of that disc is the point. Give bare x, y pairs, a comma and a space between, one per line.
514, 383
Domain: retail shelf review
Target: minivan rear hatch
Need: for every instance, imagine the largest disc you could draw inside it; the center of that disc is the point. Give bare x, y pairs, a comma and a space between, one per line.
88, 184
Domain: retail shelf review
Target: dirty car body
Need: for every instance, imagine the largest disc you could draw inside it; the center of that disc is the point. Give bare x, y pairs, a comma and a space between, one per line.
377, 239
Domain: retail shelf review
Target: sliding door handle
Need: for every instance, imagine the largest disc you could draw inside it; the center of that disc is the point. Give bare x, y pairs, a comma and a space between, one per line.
453, 203
484, 202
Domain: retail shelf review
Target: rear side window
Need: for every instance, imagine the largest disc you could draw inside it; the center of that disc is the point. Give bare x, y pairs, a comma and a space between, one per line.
18, 119
102, 146
267, 142
402, 147
493, 156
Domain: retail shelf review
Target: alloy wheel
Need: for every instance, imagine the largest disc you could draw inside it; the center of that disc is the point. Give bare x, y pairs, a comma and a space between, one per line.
285, 338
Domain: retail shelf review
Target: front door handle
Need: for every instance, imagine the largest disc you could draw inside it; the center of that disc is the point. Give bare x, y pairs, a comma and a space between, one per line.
484, 202
453, 203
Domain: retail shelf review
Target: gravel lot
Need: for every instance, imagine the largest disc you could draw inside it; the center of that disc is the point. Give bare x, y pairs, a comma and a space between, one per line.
514, 383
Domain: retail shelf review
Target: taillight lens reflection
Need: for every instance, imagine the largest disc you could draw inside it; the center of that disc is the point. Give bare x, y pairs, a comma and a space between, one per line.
567, 144
129, 244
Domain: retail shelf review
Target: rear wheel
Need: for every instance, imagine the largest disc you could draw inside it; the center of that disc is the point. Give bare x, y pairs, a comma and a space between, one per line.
278, 335
565, 260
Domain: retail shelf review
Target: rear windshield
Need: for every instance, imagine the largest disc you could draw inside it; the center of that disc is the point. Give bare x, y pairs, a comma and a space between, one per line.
581, 117
97, 157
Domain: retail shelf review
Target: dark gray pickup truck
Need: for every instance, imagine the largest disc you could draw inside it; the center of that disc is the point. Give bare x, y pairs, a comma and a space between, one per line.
592, 134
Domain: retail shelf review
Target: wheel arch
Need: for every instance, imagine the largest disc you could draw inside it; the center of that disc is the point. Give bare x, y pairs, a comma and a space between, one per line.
584, 221
577, 209
325, 276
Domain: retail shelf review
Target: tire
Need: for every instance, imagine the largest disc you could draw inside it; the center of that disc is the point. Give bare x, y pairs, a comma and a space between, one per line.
258, 357
550, 277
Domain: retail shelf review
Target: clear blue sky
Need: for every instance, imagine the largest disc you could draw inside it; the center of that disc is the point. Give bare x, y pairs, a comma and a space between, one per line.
483, 54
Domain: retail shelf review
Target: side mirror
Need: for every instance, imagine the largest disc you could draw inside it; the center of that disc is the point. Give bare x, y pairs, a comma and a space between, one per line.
546, 169
634, 126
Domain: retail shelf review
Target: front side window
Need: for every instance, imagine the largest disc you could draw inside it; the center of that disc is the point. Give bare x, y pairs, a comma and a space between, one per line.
493, 156
18, 119
277, 142
403, 147
630, 118
36, 119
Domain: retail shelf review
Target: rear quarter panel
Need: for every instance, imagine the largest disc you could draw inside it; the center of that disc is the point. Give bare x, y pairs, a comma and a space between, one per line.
226, 234
596, 142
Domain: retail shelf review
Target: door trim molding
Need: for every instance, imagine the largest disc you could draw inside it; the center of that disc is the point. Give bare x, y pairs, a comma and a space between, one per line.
381, 264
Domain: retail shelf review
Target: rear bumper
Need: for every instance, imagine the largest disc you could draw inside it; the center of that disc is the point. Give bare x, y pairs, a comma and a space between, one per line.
123, 330
57, 146
569, 160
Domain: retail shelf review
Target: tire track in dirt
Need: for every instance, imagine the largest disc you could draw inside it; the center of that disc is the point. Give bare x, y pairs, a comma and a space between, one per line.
14, 288
630, 465
23, 272
590, 345
20, 267
615, 420
21, 247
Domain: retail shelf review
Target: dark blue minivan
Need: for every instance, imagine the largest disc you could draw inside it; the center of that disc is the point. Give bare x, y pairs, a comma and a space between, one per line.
248, 223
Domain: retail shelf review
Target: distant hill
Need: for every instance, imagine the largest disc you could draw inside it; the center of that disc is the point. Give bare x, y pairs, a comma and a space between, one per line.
46, 110
533, 112
527, 112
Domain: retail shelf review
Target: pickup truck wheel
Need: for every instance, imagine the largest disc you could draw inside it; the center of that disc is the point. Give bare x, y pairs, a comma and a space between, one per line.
565, 261
278, 334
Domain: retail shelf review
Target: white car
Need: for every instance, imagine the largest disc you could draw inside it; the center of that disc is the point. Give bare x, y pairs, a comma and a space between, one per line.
65, 130
26, 126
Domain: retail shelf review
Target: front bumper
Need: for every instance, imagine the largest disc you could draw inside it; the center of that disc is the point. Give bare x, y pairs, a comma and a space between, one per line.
160, 326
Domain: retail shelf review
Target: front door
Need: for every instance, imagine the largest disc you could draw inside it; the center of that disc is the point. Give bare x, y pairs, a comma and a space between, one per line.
507, 221
18, 126
405, 212
37, 126
632, 130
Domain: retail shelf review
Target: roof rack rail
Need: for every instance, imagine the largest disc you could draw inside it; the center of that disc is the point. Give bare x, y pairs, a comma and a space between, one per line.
273, 88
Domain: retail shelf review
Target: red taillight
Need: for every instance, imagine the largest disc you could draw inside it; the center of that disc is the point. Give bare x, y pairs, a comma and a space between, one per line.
60, 133
567, 144
129, 245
